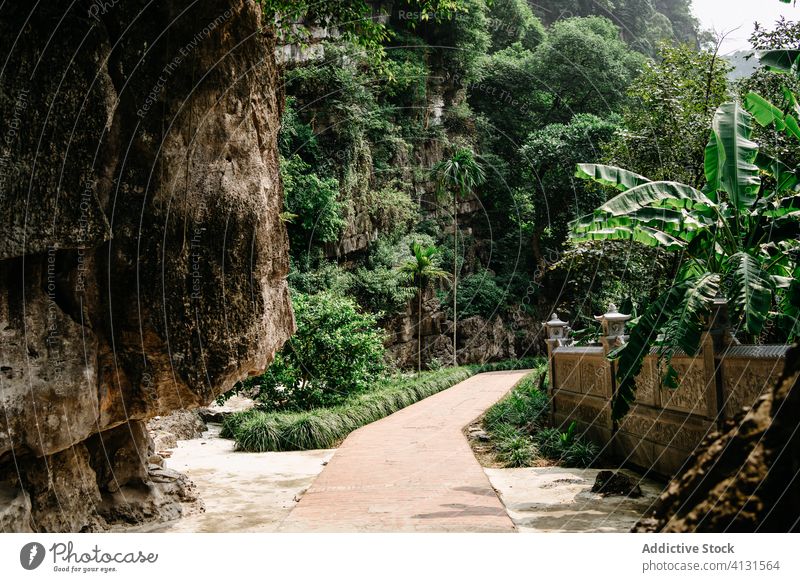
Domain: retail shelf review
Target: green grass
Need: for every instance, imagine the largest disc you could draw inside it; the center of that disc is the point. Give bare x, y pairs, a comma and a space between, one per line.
322, 428
519, 433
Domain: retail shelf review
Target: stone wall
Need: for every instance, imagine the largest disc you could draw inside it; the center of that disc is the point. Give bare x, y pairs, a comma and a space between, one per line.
664, 426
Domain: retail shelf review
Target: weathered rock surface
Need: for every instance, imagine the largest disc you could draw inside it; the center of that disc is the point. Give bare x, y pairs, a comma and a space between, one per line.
143, 261
479, 340
744, 479
166, 431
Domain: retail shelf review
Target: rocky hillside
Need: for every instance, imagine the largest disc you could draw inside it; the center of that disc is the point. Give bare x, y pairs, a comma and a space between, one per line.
143, 260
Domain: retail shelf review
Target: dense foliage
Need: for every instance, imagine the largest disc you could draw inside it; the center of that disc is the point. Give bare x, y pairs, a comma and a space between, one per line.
336, 351
520, 436
738, 236
523, 92
258, 430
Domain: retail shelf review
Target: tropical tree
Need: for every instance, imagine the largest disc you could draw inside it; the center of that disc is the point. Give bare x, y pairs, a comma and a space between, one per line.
421, 269
672, 104
459, 175
739, 234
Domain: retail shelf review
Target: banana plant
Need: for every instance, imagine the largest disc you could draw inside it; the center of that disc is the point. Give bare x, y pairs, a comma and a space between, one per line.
739, 233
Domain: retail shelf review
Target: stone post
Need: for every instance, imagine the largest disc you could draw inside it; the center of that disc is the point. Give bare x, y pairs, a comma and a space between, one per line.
557, 332
719, 325
715, 341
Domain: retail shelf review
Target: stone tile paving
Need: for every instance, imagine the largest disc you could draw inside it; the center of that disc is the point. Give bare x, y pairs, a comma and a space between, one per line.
412, 471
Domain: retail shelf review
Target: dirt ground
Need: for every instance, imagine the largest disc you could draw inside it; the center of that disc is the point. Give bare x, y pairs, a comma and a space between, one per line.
555, 499
242, 492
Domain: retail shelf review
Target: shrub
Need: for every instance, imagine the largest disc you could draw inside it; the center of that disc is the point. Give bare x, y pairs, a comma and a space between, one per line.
335, 352
312, 202
566, 447
517, 451
526, 407
517, 428
381, 290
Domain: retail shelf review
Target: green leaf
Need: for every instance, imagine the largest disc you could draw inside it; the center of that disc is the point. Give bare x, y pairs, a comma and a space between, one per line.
752, 290
779, 59
610, 176
641, 337
643, 234
767, 114
736, 155
685, 327
784, 176
671, 194
711, 167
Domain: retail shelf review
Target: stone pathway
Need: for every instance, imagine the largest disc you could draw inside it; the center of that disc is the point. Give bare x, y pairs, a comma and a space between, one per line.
412, 471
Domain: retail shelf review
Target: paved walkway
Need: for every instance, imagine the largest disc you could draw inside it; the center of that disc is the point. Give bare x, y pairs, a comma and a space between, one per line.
411, 471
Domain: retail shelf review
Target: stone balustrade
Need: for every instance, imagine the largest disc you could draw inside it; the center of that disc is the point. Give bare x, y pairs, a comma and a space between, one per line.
664, 426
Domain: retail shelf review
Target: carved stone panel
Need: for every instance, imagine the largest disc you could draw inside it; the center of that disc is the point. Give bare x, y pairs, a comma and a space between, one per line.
674, 430
648, 383
587, 410
690, 395
745, 380
596, 377
567, 373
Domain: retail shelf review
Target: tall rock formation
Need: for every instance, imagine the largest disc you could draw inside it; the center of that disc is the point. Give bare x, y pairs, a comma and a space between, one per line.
143, 258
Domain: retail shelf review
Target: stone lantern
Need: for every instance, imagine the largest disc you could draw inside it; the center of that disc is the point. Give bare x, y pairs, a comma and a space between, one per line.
613, 324
557, 332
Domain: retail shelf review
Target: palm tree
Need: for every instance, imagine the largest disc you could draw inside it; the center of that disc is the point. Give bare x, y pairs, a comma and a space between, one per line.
460, 174
421, 269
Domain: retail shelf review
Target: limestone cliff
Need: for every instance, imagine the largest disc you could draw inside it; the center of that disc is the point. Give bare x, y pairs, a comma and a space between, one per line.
143, 259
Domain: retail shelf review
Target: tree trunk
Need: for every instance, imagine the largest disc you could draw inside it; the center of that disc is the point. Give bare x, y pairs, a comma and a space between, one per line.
419, 330
455, 276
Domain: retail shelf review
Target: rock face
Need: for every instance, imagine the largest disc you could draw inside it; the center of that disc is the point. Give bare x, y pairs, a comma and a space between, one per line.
479, 340
166, 431
745, 478
143, 260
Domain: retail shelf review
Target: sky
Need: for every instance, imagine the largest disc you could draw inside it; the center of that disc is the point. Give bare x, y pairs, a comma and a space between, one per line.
725, 15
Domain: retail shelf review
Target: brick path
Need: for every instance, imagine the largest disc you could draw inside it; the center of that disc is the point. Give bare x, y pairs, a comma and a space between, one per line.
411, 471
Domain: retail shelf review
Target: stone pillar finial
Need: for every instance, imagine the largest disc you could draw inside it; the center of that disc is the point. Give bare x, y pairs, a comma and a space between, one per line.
719, 324
613, 324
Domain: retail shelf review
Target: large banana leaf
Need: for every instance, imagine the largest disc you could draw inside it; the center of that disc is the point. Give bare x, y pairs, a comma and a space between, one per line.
779, 59
711, 167
685, 327
642, 234
669, 220
735, 155
610, 176
656, 194
682, 307
785, 177
767, 114
752, 290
